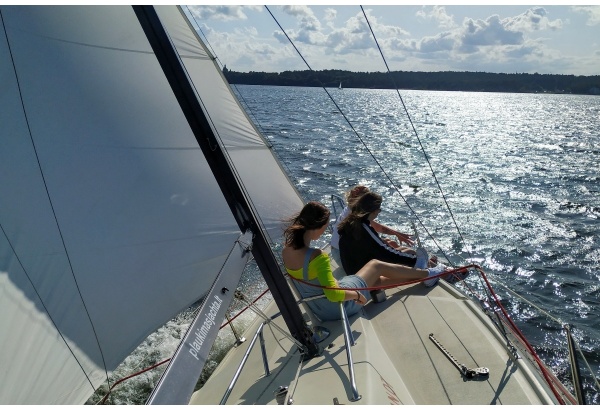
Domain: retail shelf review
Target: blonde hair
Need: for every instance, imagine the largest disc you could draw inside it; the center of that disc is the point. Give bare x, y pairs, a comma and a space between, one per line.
355, 193
362, 207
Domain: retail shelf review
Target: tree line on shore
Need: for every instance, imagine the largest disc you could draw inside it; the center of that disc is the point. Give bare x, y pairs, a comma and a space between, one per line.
410, 80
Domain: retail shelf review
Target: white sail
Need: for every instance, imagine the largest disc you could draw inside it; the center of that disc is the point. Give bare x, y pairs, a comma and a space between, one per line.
111, 220
271, 192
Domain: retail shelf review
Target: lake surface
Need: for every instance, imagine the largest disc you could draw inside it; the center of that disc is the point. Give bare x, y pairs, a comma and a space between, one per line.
517, 193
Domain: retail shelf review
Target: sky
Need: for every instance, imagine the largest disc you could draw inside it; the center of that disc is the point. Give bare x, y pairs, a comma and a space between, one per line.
512, 38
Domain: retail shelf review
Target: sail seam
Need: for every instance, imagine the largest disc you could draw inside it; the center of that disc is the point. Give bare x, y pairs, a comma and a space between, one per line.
225, 149
42, 301
57, 225
77, 43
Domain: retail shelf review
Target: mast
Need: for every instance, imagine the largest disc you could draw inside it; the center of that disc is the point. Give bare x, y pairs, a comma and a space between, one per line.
224, 175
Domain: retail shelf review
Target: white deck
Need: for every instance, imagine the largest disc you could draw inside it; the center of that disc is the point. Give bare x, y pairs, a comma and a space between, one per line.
395, 362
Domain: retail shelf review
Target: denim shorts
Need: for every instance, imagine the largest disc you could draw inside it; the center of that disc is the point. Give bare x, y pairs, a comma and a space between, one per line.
326, 310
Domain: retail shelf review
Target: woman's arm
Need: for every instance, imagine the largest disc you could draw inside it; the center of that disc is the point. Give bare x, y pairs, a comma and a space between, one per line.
356, 296
380, 228
326, 279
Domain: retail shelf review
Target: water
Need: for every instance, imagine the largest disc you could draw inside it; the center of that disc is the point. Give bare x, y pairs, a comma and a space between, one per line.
518, 171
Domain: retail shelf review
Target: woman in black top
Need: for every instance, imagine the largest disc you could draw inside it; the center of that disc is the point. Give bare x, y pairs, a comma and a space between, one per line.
359, 242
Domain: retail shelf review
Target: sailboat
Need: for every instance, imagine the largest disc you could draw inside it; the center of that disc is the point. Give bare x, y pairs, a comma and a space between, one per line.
133, 185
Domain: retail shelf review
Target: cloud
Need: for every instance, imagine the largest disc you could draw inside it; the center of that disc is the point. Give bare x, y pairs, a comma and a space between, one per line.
309, 28
352, 36
592, 12
381, 30
489, 32
240, 46
438, 14
478, 44
476, 41
355, 34
307, 20
533, 19
441, 42
222, 13
496, 42
330, 16
492, 44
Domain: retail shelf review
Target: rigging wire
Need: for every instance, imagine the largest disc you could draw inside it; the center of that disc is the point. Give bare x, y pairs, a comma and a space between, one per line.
375, 159
442, 192
444, 196
416, 134
485, 289
57, 226
369, 151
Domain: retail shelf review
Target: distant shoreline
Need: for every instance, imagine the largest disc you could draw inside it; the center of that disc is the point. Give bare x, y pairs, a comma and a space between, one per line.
438, 81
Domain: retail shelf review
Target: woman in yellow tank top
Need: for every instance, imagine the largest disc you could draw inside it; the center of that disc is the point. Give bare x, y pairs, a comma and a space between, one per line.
313, 266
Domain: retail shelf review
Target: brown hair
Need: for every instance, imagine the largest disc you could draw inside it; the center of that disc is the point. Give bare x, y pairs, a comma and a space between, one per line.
363, 206
312, 216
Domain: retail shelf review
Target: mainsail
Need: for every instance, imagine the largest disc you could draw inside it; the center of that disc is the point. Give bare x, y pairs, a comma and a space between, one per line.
111, 220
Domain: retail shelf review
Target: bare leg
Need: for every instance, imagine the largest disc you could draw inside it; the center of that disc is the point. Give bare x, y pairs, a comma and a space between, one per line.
407, 250
377, 273
433, 261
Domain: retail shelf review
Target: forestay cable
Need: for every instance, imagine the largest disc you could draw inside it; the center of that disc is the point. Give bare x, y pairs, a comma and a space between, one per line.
393, 184
416, 135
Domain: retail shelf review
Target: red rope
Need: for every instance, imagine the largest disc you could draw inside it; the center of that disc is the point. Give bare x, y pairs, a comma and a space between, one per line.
130, 376
518, 332
244, 309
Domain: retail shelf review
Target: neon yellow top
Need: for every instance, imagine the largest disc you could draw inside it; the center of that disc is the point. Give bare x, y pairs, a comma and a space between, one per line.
320, 268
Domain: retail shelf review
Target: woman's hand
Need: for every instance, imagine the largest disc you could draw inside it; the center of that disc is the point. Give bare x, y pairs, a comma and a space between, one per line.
403, 238
361, 299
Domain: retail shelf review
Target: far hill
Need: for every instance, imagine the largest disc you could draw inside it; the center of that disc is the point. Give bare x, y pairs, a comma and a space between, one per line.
441, 81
